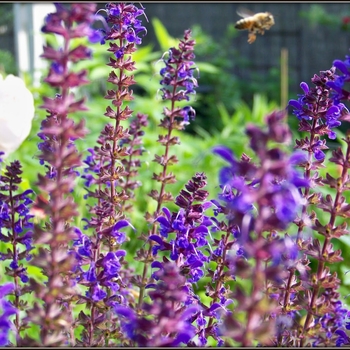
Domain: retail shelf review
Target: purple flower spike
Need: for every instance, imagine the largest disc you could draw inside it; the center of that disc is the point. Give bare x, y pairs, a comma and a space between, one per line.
7, 310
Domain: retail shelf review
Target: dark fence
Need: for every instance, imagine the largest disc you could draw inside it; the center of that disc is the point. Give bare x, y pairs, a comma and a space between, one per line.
310, 48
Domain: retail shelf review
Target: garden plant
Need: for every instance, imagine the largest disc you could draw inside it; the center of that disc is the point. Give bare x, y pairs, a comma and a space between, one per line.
252, 262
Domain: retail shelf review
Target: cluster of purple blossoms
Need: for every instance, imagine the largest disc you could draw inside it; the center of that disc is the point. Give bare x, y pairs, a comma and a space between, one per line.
176, 87
320, 111
178, 79
191, 227
125, 25
64, 17
169, 324
100, 260
105, 271
53, 237
332, 324
191, 250
343, 323
16, 220
317, 112
7, 311
244, 184
16, 232
339, 93
259, 200
93, 168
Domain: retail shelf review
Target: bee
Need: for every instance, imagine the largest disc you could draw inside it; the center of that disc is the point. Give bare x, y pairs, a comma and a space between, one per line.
256, 23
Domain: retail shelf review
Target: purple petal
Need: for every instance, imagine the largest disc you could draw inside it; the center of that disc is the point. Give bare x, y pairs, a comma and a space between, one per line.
207, 205
183, 337
305, 87
332, 135
190, 311
295, 104
341, 66
319, 155
6, 289
297, 158
201, 229
125, 311
341, 333
334, 86
333, 110
225, 175
164, 221
214, 307
225, 153
120, 253
156, 264
167, 212
157, 239
120, 224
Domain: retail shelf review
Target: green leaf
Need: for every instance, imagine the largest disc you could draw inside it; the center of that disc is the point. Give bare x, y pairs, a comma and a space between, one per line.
207, 67
164, 39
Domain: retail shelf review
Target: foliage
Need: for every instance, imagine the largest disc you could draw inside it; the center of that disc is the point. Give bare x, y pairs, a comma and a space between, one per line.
139, 234
8, 63
317, 15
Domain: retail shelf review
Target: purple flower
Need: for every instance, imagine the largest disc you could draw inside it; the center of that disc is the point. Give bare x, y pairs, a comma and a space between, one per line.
93, 168
177, 78
125, 25
119, 235
164, 221
7, 310
110, 264
191, 227
96, 293
169, 325
90, 275
188, 113
6, 289
97, 36
342, 339
60, 21
316, 148
240, 187
318, 105
15, 219
337, 85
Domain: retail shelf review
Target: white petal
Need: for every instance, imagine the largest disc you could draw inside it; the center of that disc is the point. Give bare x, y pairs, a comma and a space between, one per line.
16, 113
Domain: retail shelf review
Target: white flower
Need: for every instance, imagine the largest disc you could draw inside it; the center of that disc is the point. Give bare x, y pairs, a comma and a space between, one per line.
16, 113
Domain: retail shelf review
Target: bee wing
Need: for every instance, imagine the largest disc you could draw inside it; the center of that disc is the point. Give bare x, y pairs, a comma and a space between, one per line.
243, 12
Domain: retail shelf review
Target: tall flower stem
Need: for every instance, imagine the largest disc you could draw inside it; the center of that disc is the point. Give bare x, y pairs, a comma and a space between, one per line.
17, 221
178, 82
106, 161
335, 208
60, 157
272, 187
318, 114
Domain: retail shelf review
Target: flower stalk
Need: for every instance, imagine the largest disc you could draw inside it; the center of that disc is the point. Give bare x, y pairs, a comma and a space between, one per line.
178, 83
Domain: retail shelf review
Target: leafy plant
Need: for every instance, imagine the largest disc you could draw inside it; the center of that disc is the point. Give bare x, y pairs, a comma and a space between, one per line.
125, 237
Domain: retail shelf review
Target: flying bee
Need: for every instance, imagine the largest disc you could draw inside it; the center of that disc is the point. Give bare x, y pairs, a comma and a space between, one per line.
256, 23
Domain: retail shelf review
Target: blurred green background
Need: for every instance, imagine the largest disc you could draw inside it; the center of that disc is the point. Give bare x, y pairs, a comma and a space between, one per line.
226, 101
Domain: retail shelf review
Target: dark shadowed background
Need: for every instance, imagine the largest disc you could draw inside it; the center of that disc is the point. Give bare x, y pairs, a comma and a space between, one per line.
311, 47
313, 41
